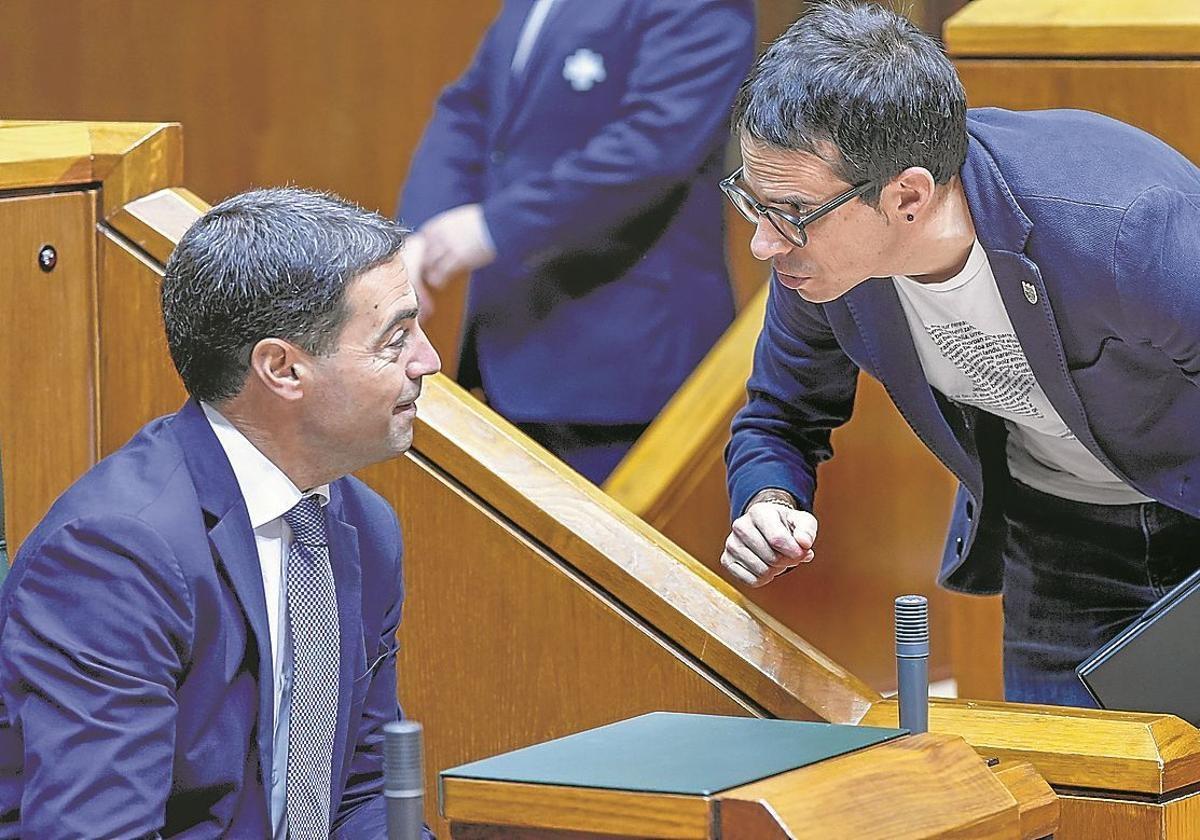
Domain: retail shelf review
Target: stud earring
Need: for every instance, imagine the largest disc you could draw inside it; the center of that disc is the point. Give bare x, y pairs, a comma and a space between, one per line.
911, 217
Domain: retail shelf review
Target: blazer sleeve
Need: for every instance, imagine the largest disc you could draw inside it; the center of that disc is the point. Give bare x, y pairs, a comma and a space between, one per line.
447, 167
689, 62
363, 810
1156, 263
801, 387
95, 636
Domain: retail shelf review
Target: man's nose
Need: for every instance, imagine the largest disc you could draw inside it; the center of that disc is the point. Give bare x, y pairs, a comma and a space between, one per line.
767, 242
426, 361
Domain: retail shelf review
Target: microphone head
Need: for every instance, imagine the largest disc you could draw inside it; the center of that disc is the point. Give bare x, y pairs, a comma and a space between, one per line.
912, 625
402, 769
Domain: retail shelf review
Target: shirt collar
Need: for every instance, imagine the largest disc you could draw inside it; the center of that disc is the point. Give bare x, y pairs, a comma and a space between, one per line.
268, 492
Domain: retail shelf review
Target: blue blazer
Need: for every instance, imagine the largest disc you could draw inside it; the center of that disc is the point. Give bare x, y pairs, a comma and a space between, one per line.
1092, 228
135, 667
603, 203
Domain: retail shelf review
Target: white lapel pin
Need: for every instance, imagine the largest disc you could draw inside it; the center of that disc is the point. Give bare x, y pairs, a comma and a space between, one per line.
1030, 291
584, 69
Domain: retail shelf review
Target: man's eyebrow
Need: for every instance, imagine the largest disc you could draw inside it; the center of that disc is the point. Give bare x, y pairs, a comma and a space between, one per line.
401, 316
792, 198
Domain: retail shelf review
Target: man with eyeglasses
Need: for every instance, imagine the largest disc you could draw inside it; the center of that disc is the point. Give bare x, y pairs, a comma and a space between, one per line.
1027, 288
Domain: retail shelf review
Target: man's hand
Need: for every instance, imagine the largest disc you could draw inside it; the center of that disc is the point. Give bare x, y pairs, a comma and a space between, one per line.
770, 538
413, 254
455, 241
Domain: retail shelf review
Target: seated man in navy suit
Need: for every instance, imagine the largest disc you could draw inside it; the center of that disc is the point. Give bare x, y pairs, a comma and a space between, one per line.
1025, 287
199, 638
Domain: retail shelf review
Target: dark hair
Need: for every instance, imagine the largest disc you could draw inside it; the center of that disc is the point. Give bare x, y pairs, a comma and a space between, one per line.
866, 80
265, 263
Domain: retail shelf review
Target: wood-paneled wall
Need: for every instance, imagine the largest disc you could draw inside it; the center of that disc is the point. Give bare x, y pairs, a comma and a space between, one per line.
326, 95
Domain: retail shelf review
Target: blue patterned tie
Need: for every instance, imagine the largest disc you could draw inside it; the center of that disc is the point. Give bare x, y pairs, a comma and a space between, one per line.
313, 620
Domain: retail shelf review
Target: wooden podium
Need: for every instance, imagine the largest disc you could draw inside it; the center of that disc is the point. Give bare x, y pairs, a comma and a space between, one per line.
595, 784
1117, 774
537, 605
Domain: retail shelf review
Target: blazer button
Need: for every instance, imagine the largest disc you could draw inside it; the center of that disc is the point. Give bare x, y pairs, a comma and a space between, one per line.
958, 546
496, 157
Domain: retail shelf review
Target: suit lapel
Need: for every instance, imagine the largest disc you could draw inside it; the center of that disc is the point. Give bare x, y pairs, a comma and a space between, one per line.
234, 551
347, 576
518, 83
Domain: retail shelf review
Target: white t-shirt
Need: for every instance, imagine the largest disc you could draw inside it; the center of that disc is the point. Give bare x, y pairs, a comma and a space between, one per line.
971, 354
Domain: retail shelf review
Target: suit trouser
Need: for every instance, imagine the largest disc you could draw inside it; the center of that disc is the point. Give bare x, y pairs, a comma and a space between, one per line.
1075, 575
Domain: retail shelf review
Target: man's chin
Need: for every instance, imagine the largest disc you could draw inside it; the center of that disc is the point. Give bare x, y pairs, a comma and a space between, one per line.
816, 295
809, 288
400, 441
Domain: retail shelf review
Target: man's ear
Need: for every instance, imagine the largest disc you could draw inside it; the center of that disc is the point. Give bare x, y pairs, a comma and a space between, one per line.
907, 196
281, 367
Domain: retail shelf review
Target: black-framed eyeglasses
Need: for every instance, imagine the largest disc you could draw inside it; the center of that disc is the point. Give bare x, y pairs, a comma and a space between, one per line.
790, 226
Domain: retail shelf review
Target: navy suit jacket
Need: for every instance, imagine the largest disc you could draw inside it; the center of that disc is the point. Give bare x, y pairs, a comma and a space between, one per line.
1092, 228
610, 284
135, 665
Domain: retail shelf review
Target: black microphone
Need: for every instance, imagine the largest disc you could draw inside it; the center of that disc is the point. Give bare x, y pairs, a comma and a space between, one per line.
402, 779
912, 662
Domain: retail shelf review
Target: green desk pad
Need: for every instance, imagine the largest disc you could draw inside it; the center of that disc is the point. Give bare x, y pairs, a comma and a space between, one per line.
668, 752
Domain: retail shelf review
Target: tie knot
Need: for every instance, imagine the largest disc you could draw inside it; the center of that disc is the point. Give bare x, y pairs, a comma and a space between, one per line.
307, 521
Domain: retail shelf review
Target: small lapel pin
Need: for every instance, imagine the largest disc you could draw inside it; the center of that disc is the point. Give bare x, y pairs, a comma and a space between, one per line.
584, 69
1030, 291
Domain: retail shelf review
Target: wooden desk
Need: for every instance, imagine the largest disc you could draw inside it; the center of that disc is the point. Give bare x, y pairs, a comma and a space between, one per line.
924, 786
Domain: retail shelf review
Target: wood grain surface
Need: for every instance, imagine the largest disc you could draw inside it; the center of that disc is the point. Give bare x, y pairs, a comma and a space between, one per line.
47, 349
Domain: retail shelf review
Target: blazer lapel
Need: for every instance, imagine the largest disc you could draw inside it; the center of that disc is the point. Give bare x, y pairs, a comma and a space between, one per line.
1003, 229
232, 541
347, 577
883, 327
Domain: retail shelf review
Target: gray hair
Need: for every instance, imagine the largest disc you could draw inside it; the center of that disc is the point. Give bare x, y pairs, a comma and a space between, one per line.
269, 263
865, 80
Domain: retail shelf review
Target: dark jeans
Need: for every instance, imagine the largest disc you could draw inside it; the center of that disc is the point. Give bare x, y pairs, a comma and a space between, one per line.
593, 451
1075, 575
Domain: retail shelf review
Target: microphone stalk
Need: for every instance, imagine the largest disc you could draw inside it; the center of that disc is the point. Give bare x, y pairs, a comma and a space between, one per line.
403, 779
912, 662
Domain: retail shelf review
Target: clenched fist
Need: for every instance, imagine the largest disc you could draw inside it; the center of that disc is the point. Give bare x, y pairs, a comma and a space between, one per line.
767, 540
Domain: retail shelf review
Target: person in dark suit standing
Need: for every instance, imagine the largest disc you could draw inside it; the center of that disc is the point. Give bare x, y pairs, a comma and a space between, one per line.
1024, 286
573, 169
199, 637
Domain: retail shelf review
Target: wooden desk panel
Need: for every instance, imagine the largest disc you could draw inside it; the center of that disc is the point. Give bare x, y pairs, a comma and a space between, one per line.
504, 645
47, 346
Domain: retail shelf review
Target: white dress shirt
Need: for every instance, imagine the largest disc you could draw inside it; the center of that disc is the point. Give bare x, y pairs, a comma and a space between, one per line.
529, 34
